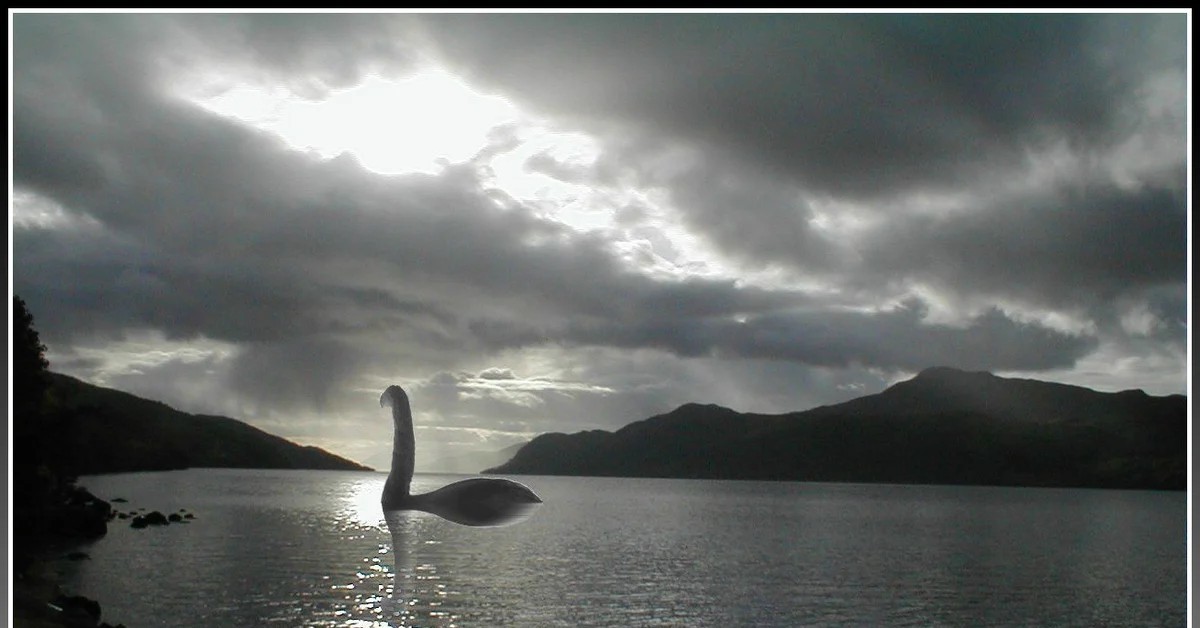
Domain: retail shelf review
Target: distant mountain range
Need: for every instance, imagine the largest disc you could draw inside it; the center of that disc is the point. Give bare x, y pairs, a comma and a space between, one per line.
944, 426
108, 431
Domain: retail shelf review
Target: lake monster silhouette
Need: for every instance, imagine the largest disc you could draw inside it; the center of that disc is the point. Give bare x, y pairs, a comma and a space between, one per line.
476, 502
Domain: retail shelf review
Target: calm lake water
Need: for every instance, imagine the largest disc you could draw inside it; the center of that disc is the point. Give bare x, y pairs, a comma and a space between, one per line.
312, 548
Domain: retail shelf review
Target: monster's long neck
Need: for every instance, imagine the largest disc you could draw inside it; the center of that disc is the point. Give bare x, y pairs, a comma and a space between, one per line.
403, 452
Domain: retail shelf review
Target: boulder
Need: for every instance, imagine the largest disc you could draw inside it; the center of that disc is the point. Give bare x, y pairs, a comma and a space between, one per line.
156, 518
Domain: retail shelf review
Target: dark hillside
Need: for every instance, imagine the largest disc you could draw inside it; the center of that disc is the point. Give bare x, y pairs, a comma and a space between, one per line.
944, 426
107, 431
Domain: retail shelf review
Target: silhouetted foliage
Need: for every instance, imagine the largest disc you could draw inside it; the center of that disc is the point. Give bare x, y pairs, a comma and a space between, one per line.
46, 503
28, 361
36, 477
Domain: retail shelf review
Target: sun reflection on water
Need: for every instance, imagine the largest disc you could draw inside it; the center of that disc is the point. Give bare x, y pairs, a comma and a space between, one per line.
360, 503
405, 582
364, 599
387, 587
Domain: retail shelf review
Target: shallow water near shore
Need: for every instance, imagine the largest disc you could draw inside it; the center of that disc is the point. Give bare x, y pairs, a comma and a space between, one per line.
312, 548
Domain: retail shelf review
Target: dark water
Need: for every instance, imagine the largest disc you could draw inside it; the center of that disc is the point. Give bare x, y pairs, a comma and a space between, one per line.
302, 548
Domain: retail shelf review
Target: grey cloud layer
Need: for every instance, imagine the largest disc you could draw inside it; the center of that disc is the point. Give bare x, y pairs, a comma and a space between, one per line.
781, 108
854, 105
1058, 140
320, 271
1085, 248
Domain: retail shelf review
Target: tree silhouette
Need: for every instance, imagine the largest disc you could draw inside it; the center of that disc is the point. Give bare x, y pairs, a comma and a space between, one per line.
38, 473
28, 363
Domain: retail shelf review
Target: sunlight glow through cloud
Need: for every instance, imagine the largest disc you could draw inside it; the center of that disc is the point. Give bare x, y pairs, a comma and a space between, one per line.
420, 124
392, 127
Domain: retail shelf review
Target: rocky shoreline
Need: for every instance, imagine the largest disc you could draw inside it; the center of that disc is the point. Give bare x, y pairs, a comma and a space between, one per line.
40, 602
44, 531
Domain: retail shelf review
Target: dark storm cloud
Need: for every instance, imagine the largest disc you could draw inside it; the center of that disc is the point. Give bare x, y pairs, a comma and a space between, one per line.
893, 340
309, 53
747, 120
848, 104
1082, 247
717, 196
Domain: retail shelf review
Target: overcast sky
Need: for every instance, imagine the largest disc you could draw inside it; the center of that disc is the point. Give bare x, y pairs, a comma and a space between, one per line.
539, 222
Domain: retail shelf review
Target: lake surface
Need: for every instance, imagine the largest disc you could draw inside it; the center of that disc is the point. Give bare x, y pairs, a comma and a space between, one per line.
312, 548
